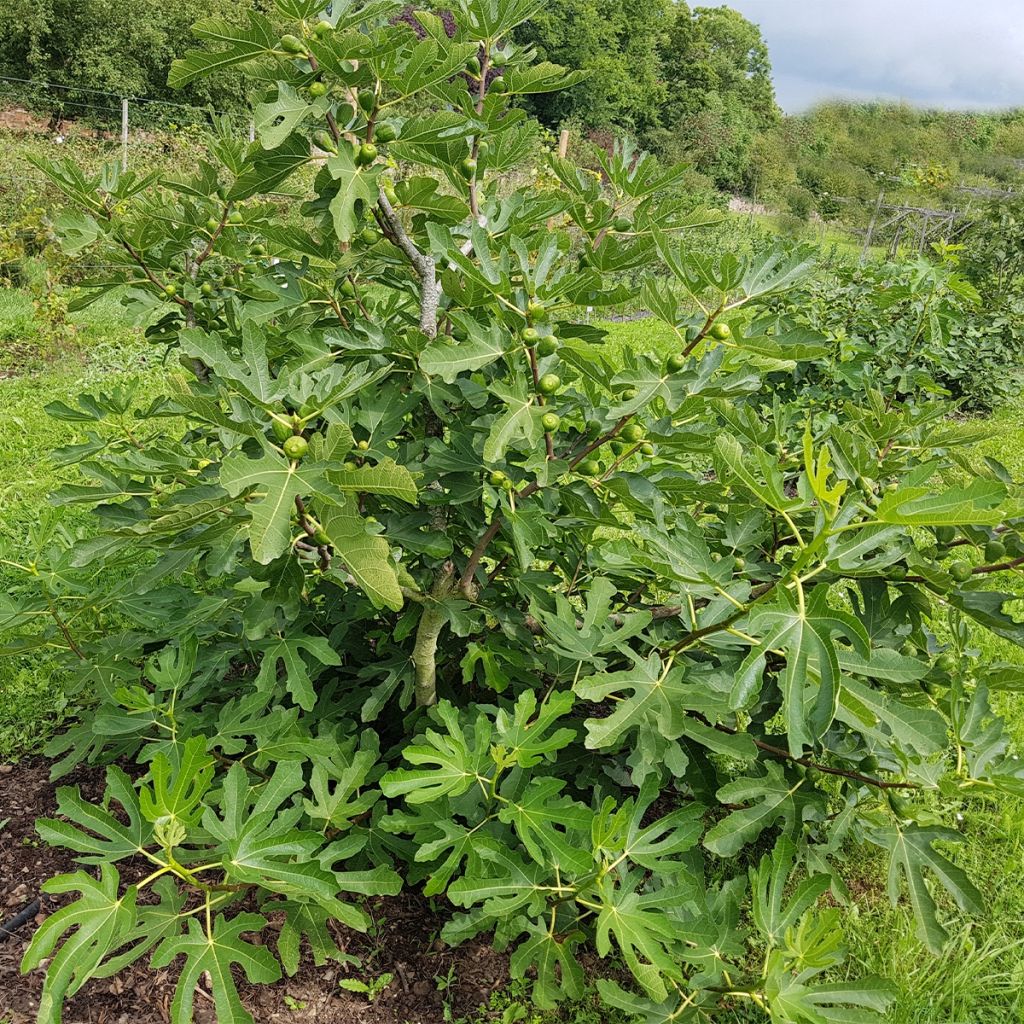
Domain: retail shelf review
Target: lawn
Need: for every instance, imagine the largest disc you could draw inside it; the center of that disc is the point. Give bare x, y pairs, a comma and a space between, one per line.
979, 980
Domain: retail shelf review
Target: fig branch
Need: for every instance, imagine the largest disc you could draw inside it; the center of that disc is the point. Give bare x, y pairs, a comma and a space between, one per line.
422, 264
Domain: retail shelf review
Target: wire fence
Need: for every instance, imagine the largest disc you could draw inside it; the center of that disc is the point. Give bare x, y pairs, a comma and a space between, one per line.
72, 114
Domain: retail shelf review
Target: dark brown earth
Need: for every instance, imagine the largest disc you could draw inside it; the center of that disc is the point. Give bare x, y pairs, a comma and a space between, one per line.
404, 944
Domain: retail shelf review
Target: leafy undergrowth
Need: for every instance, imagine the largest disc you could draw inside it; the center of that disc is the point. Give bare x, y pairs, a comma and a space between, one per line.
32, 702
979, 978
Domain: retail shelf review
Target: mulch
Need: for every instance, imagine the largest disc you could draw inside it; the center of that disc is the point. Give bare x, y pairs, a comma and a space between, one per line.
404, 943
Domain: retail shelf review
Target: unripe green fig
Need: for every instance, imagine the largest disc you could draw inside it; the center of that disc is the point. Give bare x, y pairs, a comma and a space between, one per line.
945, 534
350, 466
675, 363
235, 217
633, 432
368, 236
623, 224
549, 383
325, 141
295, 447
720, 332
467, 168
900, 806
323, 28
212, 224
535, 310
206, 289
385, 133
317, 89
550, 421
741, 563
995, 550
363, 446
367, 154
348, 289
897, 573
547, 346
628, 394
647, 449
589, 467
474, 66
281, 430
497, 478
292, 44
367, 100
170, 290
947, 662
497, 85
961, 571
530, 336
320, 536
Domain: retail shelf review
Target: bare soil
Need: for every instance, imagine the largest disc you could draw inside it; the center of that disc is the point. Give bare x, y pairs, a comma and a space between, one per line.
404, 943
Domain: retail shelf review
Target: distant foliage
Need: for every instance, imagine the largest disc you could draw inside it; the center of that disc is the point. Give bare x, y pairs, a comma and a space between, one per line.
119, 46
914, 329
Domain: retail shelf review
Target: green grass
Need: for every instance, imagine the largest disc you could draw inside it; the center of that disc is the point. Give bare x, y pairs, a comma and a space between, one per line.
107, 354
978, 980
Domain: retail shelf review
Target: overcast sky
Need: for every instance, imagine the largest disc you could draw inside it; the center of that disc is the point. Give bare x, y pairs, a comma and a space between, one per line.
948, 53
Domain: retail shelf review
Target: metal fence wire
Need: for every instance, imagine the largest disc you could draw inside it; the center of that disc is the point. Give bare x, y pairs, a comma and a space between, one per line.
74, 112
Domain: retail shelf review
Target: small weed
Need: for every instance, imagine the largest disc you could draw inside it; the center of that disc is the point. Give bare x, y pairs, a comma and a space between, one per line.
372, 989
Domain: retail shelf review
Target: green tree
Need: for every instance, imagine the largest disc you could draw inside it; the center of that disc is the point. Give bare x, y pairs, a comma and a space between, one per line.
120, 46
618, 46
408, 579
720, 92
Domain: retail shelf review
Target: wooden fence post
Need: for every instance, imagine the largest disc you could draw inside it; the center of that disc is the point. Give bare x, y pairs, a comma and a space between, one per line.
124, 133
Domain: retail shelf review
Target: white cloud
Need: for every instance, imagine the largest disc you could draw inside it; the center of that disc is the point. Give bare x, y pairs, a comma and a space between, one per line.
932, 52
